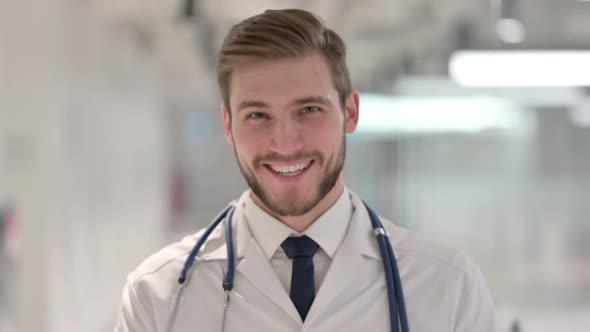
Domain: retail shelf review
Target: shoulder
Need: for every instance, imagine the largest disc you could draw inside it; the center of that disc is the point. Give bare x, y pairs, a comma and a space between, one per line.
151, 287
432, 269
166, 264
436, 274
166, 257
424, 251
415, 251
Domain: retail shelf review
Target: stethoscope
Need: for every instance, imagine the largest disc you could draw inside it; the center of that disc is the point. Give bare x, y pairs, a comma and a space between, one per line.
395, 296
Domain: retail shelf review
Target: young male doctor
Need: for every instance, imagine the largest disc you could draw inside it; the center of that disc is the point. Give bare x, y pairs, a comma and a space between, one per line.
306, 258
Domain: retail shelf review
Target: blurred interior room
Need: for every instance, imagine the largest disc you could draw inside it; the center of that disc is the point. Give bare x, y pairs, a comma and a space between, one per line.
474, 131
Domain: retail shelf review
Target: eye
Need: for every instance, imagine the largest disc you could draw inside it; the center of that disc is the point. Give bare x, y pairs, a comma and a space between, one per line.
256, 116
310, 109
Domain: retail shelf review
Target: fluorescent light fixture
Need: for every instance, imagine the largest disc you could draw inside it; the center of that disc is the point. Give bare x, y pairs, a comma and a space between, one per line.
403, 115
520, 68
526, 97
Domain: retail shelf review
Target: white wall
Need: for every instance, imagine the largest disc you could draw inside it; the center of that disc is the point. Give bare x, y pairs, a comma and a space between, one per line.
87, 167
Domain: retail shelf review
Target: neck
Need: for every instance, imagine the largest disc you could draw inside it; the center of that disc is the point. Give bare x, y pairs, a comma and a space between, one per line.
302, 222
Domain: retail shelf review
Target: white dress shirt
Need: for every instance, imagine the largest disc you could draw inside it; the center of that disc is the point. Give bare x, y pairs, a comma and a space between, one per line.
327, 231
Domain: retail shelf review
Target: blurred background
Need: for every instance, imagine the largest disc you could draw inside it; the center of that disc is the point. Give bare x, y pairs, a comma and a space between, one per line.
475, 131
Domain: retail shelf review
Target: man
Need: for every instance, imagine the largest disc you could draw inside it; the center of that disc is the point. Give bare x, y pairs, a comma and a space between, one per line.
287, 107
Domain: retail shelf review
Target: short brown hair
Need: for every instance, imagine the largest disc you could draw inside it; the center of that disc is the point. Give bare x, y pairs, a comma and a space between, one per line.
277, 34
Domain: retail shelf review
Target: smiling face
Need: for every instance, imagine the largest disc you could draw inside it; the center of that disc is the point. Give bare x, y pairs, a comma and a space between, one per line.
288, 129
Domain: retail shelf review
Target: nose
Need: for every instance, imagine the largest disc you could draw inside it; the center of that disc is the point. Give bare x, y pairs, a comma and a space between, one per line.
286, 137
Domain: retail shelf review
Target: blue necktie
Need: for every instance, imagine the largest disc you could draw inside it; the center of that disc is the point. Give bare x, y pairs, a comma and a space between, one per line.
301, 251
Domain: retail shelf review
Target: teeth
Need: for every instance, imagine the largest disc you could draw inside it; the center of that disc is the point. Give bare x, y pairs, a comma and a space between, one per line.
290, 168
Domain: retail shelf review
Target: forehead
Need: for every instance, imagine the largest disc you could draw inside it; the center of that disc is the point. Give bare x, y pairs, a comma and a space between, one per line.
282, 80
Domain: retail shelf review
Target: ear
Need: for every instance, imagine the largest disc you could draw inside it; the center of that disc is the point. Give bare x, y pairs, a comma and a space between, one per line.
227, 124
351, 111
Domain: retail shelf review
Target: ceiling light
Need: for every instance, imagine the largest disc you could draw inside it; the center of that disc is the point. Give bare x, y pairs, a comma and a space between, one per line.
520, 68
381, 114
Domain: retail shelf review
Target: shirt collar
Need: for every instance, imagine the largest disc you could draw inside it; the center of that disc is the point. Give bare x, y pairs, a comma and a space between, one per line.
327, 231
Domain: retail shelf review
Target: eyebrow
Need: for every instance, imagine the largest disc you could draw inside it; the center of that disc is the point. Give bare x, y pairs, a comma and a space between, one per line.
252, 103
312, 100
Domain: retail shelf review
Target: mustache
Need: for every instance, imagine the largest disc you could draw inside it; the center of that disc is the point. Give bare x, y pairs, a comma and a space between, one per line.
275, 157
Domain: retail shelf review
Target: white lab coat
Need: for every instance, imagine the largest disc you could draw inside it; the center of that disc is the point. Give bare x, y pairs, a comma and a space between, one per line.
444, 291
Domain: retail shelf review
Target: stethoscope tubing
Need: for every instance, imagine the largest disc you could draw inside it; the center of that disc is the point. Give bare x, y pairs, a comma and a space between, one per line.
193, 254
395, 294
228, 280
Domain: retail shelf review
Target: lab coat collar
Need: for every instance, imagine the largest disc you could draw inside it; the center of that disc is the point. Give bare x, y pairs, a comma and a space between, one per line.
358, 248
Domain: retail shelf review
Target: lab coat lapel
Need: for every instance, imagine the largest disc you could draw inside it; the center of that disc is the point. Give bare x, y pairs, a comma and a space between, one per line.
257, 269
350, 262
253, 265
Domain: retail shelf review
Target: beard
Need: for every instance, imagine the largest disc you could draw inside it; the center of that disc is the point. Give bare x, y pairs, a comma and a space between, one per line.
292, 206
